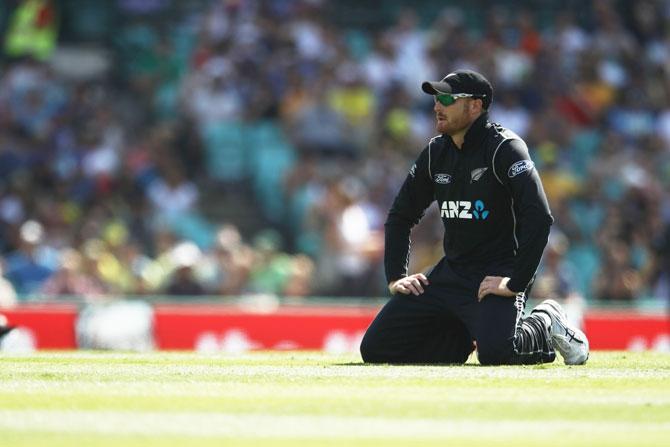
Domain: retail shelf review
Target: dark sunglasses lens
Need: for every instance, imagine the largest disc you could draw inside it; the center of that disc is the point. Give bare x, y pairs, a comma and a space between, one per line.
445, 100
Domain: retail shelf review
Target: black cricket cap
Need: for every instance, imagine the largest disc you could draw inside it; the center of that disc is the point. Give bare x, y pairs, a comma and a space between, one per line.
462, 81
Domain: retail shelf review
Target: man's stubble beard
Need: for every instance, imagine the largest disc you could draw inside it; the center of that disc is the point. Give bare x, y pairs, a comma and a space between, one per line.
452, 126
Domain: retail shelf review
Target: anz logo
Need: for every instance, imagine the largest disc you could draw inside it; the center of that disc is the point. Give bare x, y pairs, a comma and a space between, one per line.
462, 209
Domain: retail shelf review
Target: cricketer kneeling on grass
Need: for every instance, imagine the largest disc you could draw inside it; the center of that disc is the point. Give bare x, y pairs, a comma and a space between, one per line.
496, 220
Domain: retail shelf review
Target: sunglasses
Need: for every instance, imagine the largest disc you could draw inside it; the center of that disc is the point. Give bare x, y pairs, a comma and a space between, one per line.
447, 99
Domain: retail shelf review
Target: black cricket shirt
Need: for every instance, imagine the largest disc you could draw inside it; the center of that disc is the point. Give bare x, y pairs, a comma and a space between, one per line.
491, 202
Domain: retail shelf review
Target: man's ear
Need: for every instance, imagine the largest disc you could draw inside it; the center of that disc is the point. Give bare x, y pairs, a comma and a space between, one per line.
476, 106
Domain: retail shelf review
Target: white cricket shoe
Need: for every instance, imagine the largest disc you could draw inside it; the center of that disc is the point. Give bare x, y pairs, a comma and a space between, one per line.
569, 341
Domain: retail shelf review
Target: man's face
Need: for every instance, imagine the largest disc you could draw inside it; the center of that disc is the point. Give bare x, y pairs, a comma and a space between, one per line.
453, 118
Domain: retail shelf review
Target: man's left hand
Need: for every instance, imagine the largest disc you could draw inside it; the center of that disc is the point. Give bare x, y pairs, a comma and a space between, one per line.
495, 285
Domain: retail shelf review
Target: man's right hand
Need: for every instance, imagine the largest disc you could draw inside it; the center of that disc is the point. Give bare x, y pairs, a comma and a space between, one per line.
409, 284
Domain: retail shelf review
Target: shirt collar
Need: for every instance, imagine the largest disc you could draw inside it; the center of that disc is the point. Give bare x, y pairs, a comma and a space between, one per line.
476, 132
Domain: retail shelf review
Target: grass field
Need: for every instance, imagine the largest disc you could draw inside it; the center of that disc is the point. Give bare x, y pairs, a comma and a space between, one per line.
297, 398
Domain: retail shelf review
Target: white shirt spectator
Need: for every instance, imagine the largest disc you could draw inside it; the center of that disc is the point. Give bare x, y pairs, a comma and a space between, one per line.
102, 160
173, 199
513, 117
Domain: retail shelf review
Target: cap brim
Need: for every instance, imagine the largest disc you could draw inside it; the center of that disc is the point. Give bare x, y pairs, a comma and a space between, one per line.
434, 88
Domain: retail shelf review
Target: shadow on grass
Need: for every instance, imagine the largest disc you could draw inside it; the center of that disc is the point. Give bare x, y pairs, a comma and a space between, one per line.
405, 364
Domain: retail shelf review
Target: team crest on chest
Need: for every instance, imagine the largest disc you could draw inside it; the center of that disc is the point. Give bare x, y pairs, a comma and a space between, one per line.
476, 174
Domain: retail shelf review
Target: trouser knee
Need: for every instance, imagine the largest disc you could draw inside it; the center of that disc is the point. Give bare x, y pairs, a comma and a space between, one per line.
370, 350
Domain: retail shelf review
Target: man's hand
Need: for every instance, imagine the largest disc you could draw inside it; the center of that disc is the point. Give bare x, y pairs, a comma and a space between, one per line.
409, 284
496, 285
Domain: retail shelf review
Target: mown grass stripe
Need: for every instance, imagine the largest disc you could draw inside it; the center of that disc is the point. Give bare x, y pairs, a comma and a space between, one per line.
222, 390
305, 426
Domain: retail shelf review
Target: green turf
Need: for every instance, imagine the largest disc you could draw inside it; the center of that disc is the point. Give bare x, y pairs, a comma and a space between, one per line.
290, 398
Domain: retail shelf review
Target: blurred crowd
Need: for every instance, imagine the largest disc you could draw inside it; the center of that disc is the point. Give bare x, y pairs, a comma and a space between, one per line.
111, 161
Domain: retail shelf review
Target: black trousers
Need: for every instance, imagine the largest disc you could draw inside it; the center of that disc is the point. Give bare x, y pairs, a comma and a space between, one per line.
442, 324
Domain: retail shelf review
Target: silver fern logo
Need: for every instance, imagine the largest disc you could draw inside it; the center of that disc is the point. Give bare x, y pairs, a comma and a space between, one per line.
476, 174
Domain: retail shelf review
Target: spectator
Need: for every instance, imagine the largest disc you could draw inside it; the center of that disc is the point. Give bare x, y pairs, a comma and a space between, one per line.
556, 278
72, 280
617, 279
172, 194
183, 282
27, 268
8, 297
